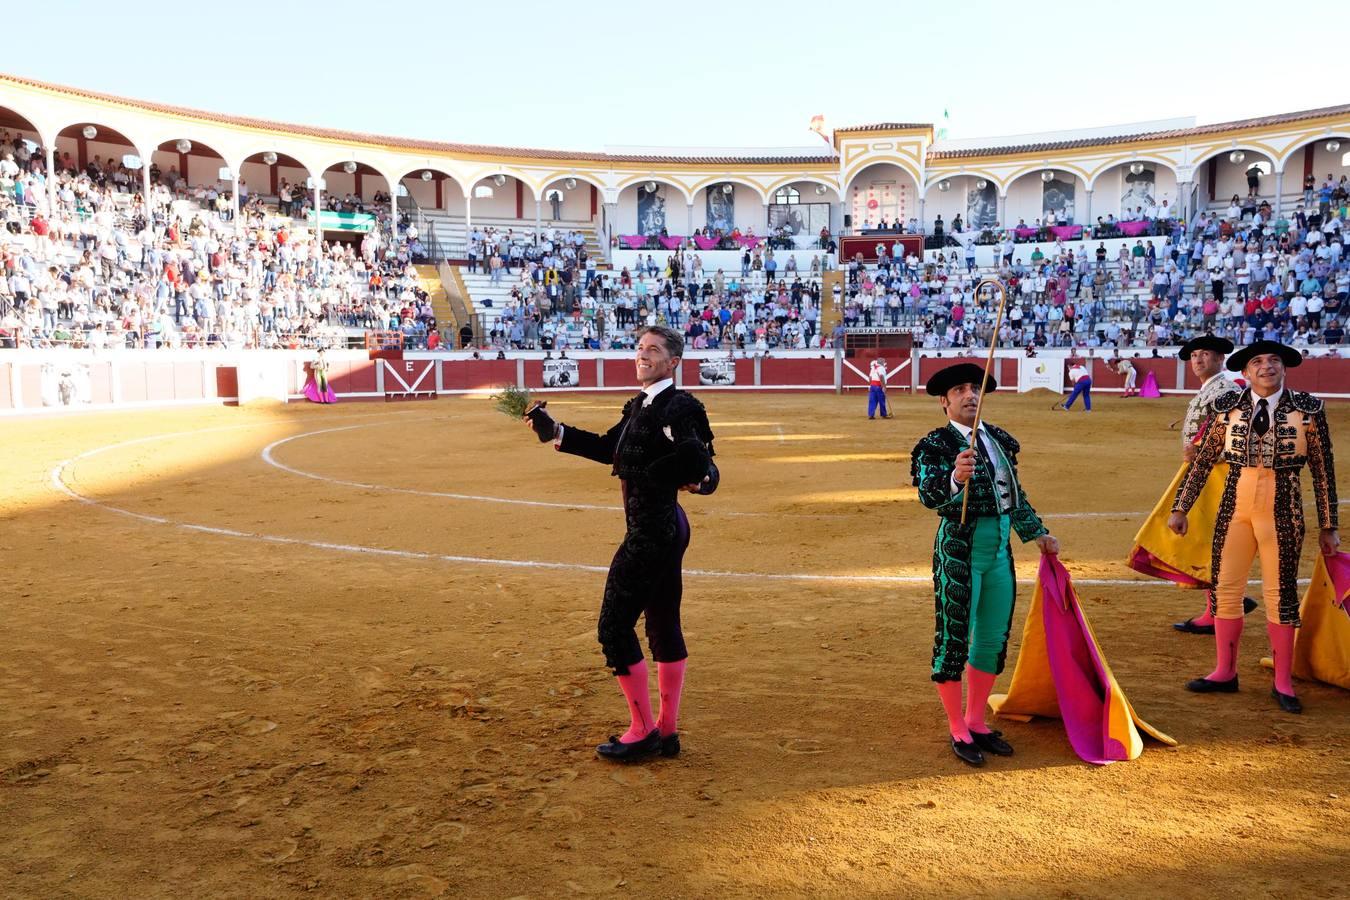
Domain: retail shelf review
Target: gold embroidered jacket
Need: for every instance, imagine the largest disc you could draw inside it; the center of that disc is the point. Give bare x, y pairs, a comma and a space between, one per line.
1298, 435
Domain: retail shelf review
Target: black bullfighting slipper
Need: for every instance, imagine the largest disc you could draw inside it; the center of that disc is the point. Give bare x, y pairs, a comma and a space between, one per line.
1288, 702
1248, 604
967, 752
670, 746
1189, 627
992, 742
1205, 686
618, 751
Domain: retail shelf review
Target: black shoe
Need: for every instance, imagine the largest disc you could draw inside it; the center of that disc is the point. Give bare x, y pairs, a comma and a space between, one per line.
618, 751
1248, 604
1205, 686
670, 746
1288, 702
1189, 627
992, 742
967, 752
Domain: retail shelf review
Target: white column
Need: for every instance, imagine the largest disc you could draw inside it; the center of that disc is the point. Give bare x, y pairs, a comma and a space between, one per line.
234, 198
688, 219
1087, 214
1279, 192
145, 187
468, 215
610, 229
318, 206
920, 219
51, 181
393, 216
766, 218
1002, 210
538, 215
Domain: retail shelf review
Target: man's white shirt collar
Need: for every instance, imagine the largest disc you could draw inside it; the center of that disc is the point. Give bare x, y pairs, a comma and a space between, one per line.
1274, 399
652, 390
966, 429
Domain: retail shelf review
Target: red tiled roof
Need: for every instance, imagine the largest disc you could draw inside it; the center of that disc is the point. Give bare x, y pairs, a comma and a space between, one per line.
581, 156
1217, 128
885, 126
413, 143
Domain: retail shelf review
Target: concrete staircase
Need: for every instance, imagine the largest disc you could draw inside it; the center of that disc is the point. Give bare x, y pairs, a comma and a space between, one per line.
430, 281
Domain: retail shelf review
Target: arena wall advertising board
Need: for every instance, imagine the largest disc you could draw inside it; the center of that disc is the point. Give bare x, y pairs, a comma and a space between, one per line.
721, 370
560, 373
1040, 372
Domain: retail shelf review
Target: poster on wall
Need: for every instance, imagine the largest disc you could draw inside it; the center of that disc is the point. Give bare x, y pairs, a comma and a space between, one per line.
1057, 199
561, 373
799, 218
717, 371
721, 201
1138, 195
982, 206
651, 210
879, 200
66, 384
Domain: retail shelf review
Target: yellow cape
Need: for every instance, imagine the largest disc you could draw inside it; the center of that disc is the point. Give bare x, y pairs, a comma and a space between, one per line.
1170, 554
1322, 649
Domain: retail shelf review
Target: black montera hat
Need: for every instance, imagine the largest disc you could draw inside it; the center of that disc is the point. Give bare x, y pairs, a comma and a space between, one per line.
1288, 355
1219, 345
961, 373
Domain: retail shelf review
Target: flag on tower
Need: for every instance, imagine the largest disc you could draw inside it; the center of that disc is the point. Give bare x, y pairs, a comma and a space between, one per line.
818, 126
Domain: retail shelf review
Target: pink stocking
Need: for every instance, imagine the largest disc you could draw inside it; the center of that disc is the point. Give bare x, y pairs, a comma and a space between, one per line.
950, 694
1206, 617
669, 682
1227, 634
981, 686
635, 690
1282, 649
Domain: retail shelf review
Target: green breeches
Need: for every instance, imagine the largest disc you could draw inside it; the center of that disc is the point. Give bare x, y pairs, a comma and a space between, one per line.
974, 592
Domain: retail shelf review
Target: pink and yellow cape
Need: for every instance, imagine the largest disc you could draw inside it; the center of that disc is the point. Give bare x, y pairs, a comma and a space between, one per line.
1322, 648
1062, 673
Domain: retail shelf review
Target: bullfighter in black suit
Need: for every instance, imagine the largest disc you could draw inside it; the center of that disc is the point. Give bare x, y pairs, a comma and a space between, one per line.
661, 445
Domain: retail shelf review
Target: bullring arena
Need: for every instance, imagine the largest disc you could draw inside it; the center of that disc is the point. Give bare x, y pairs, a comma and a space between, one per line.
257, 646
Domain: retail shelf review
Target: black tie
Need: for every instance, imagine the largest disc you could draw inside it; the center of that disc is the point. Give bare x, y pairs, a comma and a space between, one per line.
1261, 424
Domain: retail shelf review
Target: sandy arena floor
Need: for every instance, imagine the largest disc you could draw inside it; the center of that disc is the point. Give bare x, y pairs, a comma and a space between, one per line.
256, 706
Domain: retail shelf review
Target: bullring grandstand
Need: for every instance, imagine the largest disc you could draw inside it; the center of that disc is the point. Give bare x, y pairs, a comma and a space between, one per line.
292, 609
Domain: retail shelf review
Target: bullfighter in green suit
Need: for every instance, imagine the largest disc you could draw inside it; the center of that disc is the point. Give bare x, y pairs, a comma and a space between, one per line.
973, 579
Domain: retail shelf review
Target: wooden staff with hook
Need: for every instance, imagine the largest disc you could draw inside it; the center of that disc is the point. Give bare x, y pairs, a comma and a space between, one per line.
988, 364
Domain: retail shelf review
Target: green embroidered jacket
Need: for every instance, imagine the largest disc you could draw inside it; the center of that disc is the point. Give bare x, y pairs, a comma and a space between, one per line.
934, 459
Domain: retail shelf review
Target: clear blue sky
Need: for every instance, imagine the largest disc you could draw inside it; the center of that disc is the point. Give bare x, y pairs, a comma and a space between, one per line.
582, 75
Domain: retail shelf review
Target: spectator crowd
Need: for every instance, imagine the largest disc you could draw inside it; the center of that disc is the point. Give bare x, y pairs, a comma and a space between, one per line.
105, 266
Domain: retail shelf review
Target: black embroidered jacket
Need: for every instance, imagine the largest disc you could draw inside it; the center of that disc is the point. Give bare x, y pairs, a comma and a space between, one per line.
640, 439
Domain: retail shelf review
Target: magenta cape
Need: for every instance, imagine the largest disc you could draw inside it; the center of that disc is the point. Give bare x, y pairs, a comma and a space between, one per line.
1062, 673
